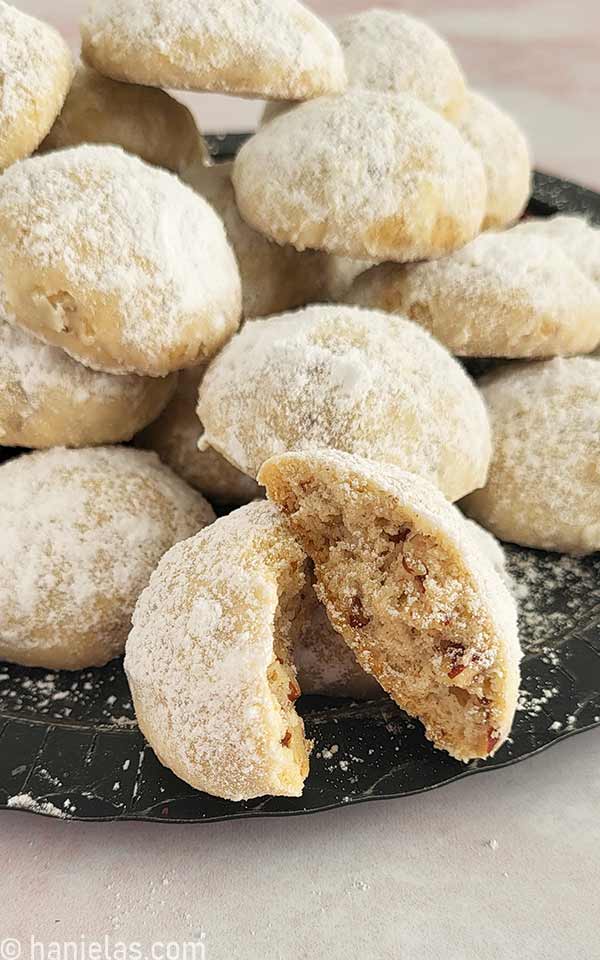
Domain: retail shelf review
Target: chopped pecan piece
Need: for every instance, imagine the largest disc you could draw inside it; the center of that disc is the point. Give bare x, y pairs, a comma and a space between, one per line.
401, 536
287, 739
357, 618
294, 691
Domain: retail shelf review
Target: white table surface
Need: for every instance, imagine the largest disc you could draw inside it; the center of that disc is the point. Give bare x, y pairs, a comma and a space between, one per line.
501, 866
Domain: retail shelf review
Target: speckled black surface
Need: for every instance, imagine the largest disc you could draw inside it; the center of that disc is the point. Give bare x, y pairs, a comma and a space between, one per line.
71, 739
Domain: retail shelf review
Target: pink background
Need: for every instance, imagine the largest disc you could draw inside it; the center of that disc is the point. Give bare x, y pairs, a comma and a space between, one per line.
539, 58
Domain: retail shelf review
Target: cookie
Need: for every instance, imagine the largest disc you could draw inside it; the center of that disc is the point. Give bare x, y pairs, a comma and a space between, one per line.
392, 52
36, 70
115, 261
256, 48
506, 157
543, 488
579, 239
322, 176
511, 294
82, 531
274, 278
209, 658
354, 380
175, 435
403, 581
142, 120
49, 400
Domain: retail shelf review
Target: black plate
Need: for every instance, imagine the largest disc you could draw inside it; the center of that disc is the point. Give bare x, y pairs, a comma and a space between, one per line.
69, 744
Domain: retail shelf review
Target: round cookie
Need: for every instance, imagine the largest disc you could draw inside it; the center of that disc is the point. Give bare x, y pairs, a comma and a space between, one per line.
36, 70
142, 120
82, 531
174, 437
257, 48
49, 400
391, 52
507, 294
274, 278
506, 158
209, 658
579, 239
403, 581
322, 176
543, 488
355, 380
117, 262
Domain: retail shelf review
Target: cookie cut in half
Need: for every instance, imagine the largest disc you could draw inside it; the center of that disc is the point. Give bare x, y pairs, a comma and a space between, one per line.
117, 262
323, 176
142, 120
543, 488
407, 586
515, 294
209, 658
36, 71
276, 49
333, 376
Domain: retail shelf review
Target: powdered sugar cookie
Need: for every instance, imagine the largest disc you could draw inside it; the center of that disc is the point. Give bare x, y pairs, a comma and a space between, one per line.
82, 531
49, 400
543, 489
115, 261
142, 120
391, 52
323, 176
36, 70
579, 239
259, 48
175, 435
274, 278
405, 584
209, 658
511, 294
355, 380
506, 158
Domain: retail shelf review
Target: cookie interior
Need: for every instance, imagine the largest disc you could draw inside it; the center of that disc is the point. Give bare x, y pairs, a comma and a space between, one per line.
405, 604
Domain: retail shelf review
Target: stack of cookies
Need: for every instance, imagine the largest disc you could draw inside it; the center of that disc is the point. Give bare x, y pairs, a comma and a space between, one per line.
366, 241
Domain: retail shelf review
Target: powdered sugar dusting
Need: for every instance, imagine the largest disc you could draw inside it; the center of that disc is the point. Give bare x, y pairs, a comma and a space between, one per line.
510, 294
543, 489
81, 532
274, 48
505, 154
392, 52
366, 175
29, 51
126, 234
339, 377
24, 801
577, 237
200, 648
